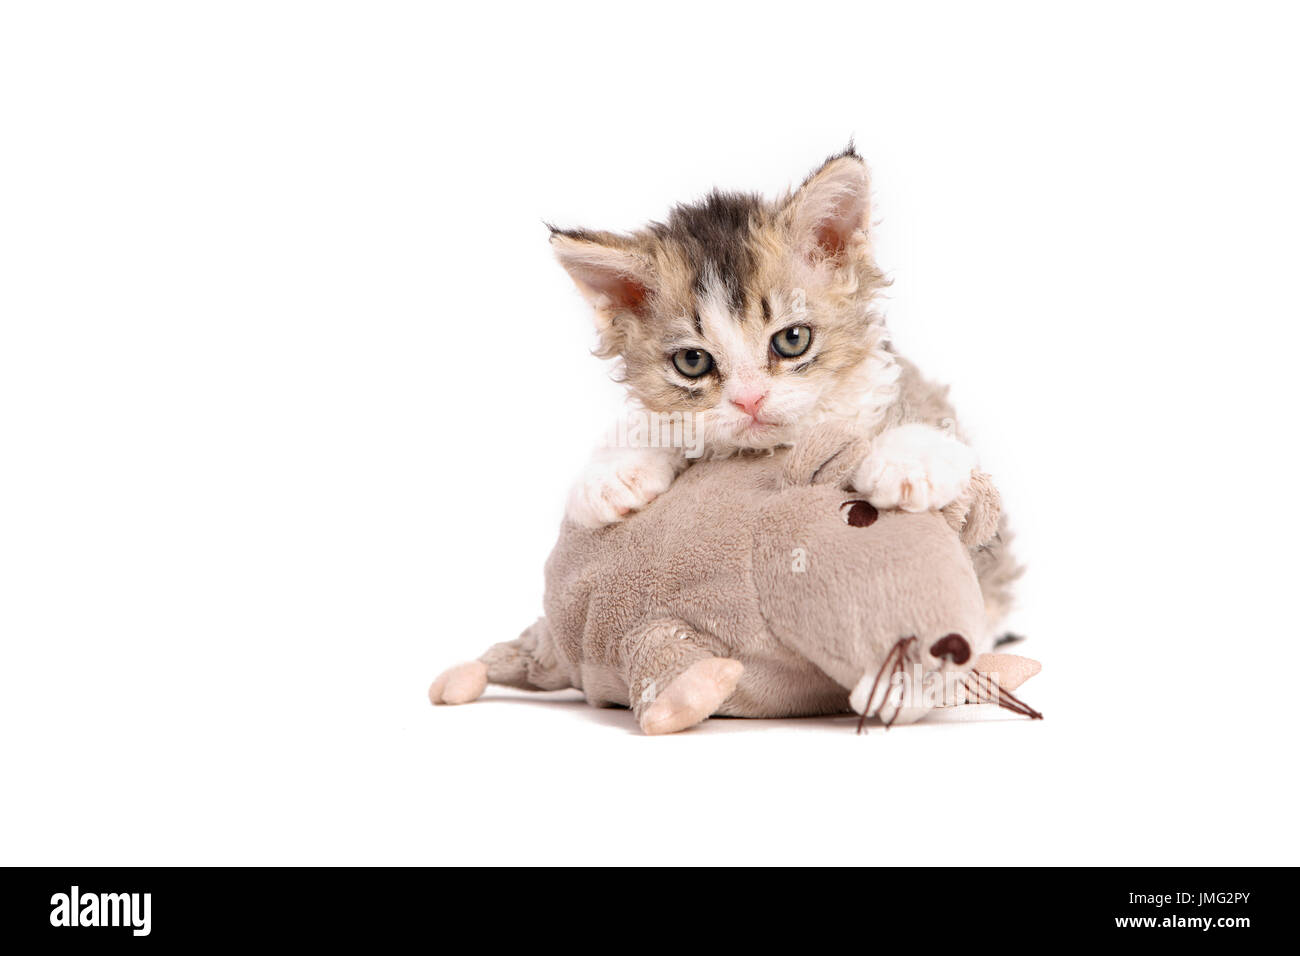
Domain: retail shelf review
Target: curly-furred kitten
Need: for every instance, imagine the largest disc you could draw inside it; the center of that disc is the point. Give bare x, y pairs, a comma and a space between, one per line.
751, 320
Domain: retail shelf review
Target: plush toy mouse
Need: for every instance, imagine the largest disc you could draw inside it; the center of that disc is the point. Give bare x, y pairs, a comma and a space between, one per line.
760, 587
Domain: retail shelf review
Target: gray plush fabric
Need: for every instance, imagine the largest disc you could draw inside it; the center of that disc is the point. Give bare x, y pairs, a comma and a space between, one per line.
750, 559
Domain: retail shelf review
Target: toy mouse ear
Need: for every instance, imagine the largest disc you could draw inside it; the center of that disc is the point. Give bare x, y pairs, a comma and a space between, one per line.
975, 515
826, 455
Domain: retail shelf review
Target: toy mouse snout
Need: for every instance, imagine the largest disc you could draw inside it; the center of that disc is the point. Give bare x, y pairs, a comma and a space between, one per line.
952, 647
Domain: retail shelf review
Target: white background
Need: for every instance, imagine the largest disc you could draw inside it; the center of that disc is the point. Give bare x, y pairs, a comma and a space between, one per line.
291, 391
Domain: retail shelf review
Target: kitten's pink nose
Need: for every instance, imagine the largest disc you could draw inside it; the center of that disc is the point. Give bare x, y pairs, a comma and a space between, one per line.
749, 402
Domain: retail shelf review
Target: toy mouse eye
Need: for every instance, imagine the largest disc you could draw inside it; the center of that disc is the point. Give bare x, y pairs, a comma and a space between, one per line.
859, 514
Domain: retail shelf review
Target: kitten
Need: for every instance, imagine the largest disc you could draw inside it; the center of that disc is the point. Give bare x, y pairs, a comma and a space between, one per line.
755, 319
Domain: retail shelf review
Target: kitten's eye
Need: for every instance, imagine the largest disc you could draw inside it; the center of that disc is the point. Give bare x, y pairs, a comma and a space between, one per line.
693, 362
792, 342
859, 514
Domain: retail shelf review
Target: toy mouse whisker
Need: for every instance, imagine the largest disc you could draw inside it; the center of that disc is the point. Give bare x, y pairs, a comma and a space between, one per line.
1004, 698
896, 662
900, 666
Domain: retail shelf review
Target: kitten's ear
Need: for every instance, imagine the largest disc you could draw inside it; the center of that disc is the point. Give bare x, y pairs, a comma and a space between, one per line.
831, 206
607, 269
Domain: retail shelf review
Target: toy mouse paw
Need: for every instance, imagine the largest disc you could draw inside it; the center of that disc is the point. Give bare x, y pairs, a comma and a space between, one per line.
460, 684
692, 696
915, 468
618, 483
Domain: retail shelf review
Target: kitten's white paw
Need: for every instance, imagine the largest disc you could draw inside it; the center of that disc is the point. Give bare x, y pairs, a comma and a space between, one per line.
615, 485
915, 468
